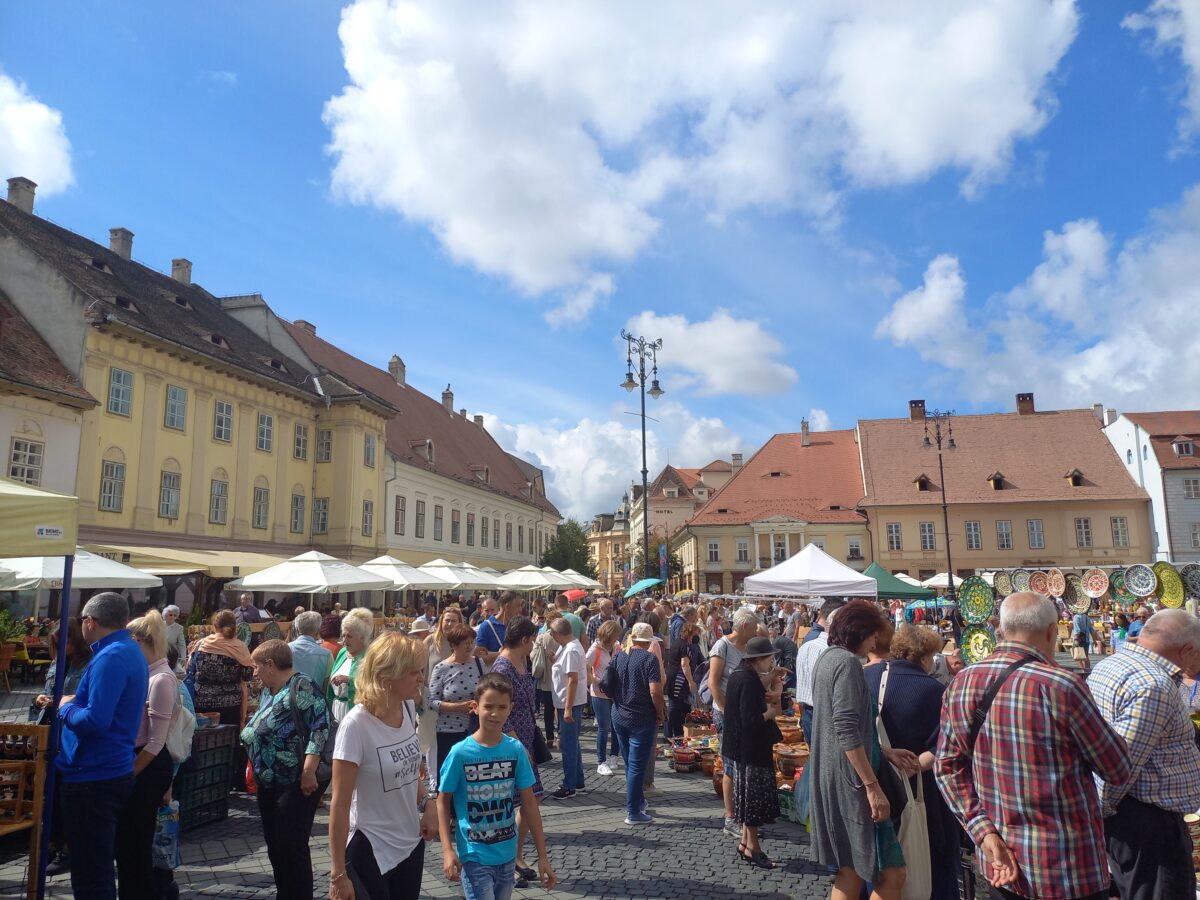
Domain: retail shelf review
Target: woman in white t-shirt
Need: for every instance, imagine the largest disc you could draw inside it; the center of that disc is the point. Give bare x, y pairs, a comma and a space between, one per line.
377, 834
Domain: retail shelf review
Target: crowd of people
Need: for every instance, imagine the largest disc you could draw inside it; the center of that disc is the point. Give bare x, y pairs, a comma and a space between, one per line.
1069, 782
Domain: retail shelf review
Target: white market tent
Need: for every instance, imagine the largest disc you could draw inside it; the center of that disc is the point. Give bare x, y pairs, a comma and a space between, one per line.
526, 578
559, 581
313, 573
811, 573
907, 579
584, 582
405, 577
460, 576
478, 573
941, 580
90, 572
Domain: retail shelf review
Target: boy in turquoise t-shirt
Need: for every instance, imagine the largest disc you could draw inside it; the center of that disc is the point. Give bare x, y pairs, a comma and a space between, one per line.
476, 813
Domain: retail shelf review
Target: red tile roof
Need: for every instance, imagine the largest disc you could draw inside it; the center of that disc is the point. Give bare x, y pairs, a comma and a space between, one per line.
27, 362
691, 477
810, 481
718, 465
1164, 428
461, 448
1035, 452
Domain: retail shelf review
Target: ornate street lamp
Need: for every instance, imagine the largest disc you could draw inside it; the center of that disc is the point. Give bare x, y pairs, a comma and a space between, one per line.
938, 418
643, 348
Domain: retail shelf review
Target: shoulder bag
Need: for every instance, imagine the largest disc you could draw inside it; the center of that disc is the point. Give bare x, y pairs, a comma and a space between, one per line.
610, 681
980, 715
537, 660
181, 731
325, 763
913, 831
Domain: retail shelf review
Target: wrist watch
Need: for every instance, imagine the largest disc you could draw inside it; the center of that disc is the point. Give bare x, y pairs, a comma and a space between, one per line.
424, 801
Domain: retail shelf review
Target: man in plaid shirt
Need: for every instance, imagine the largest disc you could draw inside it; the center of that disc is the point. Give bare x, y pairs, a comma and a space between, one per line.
1025, 793
1137, 690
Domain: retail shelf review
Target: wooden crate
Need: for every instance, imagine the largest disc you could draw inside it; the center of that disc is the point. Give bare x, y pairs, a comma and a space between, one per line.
22, 785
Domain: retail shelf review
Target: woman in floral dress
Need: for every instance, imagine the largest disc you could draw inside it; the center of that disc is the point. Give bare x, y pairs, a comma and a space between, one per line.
513, 662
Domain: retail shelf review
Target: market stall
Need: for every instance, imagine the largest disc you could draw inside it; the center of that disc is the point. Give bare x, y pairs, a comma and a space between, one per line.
811, 573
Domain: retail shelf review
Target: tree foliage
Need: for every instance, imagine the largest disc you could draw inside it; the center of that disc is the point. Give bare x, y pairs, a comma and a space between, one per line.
568, 549
674, 563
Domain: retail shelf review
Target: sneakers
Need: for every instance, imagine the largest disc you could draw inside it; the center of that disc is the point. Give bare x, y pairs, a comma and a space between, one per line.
654, 791
732, 827
604, 769
640, 819
60, 862
564, 794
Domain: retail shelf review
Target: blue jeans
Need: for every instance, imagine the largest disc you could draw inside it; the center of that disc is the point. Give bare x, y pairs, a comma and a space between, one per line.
572, 754
806, 722
480, 882
637, 748
603, 710
90, 816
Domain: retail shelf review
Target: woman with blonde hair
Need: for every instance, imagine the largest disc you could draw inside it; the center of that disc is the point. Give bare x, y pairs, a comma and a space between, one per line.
599, 657
153, 767
377, 835
358, 627
439, 649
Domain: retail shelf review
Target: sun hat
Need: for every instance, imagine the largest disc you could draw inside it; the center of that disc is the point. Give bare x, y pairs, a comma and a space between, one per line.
419, 626
757, 647
642, 632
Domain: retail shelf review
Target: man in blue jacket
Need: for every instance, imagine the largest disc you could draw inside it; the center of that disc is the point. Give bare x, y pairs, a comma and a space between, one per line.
99, 727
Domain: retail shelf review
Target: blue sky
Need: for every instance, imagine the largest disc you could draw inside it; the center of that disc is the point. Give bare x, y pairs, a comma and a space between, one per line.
823, 217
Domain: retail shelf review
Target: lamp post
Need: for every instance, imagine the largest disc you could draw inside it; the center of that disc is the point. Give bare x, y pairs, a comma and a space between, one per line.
938, 417
643, 348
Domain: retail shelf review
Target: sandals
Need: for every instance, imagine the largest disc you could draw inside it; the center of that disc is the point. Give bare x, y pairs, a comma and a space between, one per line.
757, 858
526, 873
741, 852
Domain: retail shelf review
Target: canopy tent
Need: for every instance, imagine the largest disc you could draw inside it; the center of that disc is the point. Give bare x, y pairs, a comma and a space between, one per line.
811, 573
941, 580
560, 581
478, 573
313, 573
459, 576
89, 572
642, 585
930, 603
589, 584
907, 579
174, 561
526, 578
892, 588
405, 577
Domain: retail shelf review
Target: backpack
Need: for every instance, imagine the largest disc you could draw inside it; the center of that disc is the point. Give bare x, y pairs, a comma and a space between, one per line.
610, 681
180, 732
538, 661
700, 676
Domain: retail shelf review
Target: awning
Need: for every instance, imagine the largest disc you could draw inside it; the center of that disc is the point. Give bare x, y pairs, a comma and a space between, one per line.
173, 561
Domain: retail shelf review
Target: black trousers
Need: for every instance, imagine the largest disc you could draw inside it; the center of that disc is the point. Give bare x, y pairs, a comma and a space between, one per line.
92, 809
677, 713
445, 740
401, 883
1149, 852
287, 817
135, 830
546, 698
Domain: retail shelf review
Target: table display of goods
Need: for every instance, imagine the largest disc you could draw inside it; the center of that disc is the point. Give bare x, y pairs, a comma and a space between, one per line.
1095, 583
698, 731
978, 642
1039, 582
1056, 582
718, 773
1120, 593
1074, 596
1020, 580
708, 761
1170, 585
1192, 821
976, 600
1191, 579
1141, 580
684, 759
1003, 584
789, 758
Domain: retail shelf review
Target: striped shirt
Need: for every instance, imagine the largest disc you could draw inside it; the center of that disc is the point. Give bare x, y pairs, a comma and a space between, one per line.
1137, 691
1030, 779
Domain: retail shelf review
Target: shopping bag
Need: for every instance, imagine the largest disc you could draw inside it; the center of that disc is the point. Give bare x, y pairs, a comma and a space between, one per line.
800, 794
165, 849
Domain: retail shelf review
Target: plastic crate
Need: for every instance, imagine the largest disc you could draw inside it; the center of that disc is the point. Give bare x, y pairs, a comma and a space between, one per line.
208, 759
220, 736
202, 796
203, 815
192, 780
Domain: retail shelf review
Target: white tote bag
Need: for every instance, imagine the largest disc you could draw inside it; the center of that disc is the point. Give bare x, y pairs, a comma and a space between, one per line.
914, 827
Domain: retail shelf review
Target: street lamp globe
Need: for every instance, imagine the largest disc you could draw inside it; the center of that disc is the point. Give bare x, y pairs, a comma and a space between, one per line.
655, 391
629, 383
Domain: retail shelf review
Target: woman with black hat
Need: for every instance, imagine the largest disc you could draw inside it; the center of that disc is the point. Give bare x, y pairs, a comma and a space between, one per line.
751, 705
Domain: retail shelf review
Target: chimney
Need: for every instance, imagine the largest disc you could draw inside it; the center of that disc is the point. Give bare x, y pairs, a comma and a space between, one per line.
804, 432
120, 242
1098, 411
305, 325
448, 400
20, 193
736, 459
463, 412
1025, 405
1110, 416
916, 410
396, 369
479, 420
181, 270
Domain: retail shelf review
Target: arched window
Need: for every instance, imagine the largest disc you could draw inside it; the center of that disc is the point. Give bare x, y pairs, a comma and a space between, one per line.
112, 480
170, 489
1129, 456
260, 510
218, 497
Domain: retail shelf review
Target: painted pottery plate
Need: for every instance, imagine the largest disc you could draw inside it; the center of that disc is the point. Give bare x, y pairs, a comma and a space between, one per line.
976, 600
1074, 596
1120, 593
243, 633
1039, 582
978, 642
1191, 578
1004, 585
1058, 582
1020, 580
1170, 585
1095, 583
1140, 580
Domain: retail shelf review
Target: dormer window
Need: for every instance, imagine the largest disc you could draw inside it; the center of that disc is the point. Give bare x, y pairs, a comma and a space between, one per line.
218, 341
125, 303
774, 474
834, 506
724, 510
423, 448
996, 480
277, 365
483, 473
1184, 447
922, 482
181, 302
101, 266
672, 492
1075, 477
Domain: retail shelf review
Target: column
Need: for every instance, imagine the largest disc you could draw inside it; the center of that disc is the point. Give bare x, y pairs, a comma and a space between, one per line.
196, 469
145, 508
281, 489
246, 436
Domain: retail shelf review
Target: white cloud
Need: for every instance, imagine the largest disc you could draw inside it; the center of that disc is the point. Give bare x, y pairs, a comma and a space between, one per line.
578, 303
221, 77
1175, 26
33, 141
1087, 326
818, 420
537, 141
720, 355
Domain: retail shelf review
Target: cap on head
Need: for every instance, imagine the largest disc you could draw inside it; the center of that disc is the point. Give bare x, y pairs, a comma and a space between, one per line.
642, 633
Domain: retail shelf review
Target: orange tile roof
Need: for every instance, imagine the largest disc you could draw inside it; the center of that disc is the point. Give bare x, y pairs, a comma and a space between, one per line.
26, 361
1035, 452
718, 465
1164, 428
810, 481
691, 477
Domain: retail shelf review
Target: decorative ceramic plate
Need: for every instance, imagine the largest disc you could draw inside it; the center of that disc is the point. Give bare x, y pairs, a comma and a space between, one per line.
978, 642
976, 600
1140, 580
1120, 593
1191, 578
1039, 582
1058, 582
1004, 583
1020, 580
1074, 597
1170, 585
271, 631
243, 633
1095, 583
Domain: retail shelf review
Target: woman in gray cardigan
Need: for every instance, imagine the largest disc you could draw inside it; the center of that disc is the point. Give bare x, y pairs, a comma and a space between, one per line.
852, 831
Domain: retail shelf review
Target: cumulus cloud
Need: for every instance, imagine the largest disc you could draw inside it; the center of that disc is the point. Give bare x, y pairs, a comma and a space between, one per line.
578, 303
1091, 323
719, 355
1174, 26
538, 142
33, 141
818, 420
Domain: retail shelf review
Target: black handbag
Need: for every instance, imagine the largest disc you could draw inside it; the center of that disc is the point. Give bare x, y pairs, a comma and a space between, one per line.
325, 765
541, 750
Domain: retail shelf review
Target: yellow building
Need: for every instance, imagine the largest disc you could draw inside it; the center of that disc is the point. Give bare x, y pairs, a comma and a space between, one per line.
609, 547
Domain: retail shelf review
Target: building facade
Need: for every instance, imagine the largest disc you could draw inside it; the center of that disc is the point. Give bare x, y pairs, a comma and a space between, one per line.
677, 494
608, 547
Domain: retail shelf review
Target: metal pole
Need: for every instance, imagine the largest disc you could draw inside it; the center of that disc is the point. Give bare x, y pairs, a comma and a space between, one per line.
645, 473
60, 680
945, 519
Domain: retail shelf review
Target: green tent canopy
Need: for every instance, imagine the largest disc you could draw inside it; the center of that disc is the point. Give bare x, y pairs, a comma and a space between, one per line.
891, 587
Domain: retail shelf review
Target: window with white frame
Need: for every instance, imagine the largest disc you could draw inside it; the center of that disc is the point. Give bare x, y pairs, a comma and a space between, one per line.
401, 514
483, 531
928, 541
1037, 537
218, 502
508, 536
266, 432
1185, 448
176, 413
320, 517
470, 529
168, 495
974, 536
419, 522
1191, 488
437, 523
369, 451
25, 461
496, 534
895, 540
223, 421
819, 543
779, 545
300, 442
520, 538
854, 547
112, 486
714, 551
455, 526
297, 524
1196, 535
120, 392
1083, 532
261, 508
324, 444
1120, 531
1003, 534
368, 518
743, 550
